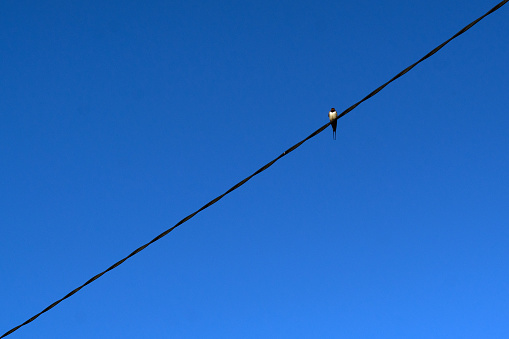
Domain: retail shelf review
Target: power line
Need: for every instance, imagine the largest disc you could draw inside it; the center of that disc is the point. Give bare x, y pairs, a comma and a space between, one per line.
213, 201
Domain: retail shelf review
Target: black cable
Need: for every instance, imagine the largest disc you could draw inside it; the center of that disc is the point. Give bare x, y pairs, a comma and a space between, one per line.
212, 202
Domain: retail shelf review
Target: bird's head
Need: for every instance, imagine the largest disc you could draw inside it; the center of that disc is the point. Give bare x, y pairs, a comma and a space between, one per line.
333, 109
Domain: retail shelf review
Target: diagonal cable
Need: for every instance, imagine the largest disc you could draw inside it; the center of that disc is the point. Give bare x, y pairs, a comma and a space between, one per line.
213, 201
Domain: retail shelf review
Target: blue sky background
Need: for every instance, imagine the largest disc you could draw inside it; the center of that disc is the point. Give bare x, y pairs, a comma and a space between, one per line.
119, 118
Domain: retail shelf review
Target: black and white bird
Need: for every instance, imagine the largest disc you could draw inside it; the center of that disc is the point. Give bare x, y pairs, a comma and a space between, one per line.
333, 115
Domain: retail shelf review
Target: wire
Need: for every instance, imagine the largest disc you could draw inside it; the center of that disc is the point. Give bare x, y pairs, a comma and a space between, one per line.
291, 149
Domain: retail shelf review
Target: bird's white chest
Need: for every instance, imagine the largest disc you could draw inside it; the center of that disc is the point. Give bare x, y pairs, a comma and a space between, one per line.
333, 115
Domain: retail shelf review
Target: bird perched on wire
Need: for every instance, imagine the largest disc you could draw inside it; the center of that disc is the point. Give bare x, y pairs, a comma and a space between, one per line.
333, 115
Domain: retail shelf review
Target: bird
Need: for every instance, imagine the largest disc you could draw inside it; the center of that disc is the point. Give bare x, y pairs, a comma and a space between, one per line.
333, 115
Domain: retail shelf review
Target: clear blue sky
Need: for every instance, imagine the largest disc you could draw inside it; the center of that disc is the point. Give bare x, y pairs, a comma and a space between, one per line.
118, 118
